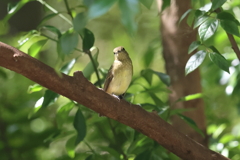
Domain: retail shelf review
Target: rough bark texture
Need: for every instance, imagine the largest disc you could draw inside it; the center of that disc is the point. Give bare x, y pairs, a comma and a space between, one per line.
176, 40
79, 89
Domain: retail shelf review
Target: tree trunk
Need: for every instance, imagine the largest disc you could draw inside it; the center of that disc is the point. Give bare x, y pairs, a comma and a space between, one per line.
176, 40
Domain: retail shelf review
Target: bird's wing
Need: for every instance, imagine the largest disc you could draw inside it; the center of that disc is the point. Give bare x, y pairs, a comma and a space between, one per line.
108, 79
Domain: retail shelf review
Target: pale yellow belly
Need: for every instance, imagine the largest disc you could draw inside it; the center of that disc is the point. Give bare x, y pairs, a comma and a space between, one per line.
120, 82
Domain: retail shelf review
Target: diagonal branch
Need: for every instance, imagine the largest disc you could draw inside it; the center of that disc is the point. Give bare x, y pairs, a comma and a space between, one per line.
79, 89
234, 45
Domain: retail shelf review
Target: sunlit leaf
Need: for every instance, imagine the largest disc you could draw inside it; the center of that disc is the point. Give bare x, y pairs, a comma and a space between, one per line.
70, 147
36, 47
191, 123
217, 3
194, 45
219, 130
80, 126
220, 61
195, 61
207, 29
13, 7
200, 17
35, 88
49, 98
67, 67
191, 97
100, 7
37, 106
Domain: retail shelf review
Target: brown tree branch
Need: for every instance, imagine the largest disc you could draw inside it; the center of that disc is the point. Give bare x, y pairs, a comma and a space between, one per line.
79, 89
234, 45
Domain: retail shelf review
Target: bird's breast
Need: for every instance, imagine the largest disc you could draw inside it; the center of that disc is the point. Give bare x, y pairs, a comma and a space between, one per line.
122, 76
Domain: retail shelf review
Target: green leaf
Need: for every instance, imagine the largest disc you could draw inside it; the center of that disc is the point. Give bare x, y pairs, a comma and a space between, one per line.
67, 43
89, 69
34, 88
99, 8
49, 98
13, 7
80, 126
191, 97
163, 77
149, 55
214, 49
63, 113
87, 39
200, 17
184, 15
227, 16
190, 19
156, 100
129, 10
47, 18
53, 29
147, 3
3, 74
70, 146
36, 47
37, 106
191, 123
220, 61
195, 61
217, 3
144, 155
147, 74
79, 22
67, 67
230, 27
194, 45
165, 4
207, 28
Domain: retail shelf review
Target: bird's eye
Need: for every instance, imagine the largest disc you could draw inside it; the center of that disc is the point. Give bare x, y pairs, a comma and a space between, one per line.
123, 49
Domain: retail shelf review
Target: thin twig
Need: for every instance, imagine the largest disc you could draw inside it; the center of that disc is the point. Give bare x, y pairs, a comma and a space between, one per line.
68, 9
55, 11
95, 68
234, 45
89, 147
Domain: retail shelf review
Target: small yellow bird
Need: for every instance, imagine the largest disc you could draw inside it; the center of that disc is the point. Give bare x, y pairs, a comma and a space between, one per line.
120, 73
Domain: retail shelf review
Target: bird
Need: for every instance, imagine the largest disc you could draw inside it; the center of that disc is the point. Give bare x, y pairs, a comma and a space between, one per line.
120, 74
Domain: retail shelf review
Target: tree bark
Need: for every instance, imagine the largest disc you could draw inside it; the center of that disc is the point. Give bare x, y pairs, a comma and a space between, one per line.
176, 39
79, 89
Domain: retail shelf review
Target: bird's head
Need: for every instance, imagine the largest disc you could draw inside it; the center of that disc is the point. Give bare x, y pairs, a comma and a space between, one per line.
120, 53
